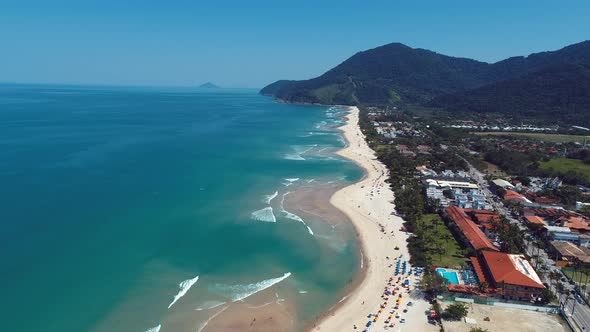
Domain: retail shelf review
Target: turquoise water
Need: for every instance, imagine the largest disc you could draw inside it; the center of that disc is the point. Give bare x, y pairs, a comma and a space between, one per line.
111, 197
449, 275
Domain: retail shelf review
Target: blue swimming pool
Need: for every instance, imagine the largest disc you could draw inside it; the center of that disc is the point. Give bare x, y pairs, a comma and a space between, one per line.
449, 275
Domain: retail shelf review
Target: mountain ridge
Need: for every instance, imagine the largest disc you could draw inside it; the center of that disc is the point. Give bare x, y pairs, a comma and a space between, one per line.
398, 74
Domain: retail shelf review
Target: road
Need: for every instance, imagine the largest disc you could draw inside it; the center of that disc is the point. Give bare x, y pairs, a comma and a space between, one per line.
581, 311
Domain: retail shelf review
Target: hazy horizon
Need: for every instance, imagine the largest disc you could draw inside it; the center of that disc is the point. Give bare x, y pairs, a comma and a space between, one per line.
248, 45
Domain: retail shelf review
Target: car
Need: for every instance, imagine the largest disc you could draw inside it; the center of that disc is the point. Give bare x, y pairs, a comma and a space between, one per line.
410, 304
563, 279
403, 320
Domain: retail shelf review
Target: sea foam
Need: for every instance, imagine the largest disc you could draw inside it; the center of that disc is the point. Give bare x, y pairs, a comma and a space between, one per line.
241, 292
265, 214
269, 198
295, 217
293, 156
209, 305
155, 328
184, 287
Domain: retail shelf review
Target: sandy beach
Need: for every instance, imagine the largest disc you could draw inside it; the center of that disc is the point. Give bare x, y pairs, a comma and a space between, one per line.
368, 204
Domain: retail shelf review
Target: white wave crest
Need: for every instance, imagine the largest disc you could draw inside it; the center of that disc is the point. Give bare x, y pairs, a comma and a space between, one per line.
184, 287
209, 305
292, 179
295, 217
241, 292
154, 329
264, 215
269, 198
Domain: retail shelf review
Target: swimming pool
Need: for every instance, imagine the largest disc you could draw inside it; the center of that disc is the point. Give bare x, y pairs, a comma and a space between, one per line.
452, 277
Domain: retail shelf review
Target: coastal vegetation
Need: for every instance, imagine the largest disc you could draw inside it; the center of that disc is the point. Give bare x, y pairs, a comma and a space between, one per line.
455, 311
566, 167
548, 86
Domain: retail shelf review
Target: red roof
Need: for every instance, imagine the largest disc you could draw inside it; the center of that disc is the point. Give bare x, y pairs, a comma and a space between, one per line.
513, 195
486, 218
535, 220
481, 276
503, 270
577, 223
474, 235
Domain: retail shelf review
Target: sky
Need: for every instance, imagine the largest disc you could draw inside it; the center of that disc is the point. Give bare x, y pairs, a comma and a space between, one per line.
251, 43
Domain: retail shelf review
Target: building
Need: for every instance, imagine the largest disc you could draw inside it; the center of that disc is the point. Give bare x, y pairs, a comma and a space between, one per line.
471, 235
535, 220
501, 183
511, 275
513, 196
567, 251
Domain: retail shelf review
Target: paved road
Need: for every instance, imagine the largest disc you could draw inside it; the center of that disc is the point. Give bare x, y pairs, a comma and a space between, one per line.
581, 313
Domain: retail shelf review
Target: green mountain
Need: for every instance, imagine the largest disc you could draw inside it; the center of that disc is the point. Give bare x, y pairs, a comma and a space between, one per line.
559, 93
398, 74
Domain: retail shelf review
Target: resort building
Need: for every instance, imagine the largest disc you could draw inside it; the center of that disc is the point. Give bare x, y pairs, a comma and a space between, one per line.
468, 231
512, 276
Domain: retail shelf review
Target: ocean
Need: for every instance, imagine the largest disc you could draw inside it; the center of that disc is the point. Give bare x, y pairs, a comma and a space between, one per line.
146, 209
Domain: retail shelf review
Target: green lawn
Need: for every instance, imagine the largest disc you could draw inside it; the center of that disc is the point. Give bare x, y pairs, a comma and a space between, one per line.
562, 165
578, 277
454, 254
554, 138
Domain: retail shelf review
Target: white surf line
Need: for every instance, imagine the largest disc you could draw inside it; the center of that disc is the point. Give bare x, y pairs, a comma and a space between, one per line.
209, 305
293, 216
269, 198
251, 289
154, 329
264, 214
184, 287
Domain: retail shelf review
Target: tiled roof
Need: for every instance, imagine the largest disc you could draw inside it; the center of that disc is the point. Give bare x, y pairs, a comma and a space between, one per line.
513, 195
535, 220
511, 269
474, 235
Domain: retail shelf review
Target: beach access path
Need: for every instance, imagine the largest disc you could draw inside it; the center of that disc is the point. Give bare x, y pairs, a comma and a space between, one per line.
369, 205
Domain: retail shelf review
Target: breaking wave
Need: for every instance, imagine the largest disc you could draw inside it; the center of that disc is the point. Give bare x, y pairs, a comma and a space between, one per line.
184, 287
154, 329
293, 156
291, 180
241, 292
295, 217
269, 198
265, 214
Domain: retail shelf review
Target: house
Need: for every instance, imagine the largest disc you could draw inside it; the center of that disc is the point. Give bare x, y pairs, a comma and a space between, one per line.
471, 235
567, 251
512, 275
535, 220
513, 196
501, 183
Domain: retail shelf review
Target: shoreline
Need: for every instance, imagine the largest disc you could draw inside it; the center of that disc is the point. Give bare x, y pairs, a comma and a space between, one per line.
368, 204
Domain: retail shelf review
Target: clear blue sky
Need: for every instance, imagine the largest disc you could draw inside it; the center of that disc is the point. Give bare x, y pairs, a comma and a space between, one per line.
249, 43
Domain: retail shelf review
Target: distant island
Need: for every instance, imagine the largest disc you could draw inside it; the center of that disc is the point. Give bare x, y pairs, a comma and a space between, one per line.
209, 85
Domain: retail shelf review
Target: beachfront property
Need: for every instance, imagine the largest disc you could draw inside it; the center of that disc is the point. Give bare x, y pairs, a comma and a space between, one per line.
467, 231
509, 276
463, 194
